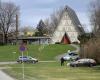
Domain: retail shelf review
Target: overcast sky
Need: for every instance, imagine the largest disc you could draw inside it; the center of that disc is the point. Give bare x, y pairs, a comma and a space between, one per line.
31, 11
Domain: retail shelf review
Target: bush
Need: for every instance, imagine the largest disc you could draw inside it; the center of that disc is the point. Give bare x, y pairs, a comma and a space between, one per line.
75, 43
92, 49
57, 43
1, 44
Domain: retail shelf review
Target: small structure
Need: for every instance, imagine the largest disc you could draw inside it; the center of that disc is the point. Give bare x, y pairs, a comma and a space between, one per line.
34, 40
68, 29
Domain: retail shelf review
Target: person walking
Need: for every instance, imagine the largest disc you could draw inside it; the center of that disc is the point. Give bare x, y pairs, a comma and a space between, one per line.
62, 61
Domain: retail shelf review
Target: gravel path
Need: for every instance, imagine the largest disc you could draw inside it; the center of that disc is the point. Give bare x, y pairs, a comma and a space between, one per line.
64, 54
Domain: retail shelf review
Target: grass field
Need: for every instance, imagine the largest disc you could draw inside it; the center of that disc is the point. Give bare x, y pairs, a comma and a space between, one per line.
53, 71
46, 70
41, 52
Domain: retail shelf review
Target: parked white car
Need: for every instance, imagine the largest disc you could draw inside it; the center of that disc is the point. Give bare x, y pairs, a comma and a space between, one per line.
83, 62
71, 56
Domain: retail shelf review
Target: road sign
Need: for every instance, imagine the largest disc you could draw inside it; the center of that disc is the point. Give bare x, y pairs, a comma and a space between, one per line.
22, 48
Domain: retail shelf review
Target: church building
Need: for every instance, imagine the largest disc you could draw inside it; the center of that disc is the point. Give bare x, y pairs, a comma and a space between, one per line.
68, 29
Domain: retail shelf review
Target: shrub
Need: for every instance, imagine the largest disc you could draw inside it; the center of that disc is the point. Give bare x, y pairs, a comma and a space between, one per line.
92, 49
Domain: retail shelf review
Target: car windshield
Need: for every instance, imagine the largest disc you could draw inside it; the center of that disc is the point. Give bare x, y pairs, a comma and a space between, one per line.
23, 57
29, 57
72, 54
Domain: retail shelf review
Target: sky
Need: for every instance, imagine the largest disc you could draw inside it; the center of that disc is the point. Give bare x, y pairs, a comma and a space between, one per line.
32, 11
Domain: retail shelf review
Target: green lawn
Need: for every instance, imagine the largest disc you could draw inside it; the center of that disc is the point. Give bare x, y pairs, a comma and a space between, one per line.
42, 52
43, 70
53, 71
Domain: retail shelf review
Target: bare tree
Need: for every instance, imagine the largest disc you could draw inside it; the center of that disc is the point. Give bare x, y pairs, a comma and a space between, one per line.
54, 20
95, 16
92, 46
8, 11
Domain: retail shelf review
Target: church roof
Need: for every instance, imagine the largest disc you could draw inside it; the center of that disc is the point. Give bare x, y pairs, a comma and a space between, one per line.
70, 25
74, 18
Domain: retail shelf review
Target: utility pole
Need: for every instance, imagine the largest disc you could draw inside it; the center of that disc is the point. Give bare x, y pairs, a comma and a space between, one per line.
16, 27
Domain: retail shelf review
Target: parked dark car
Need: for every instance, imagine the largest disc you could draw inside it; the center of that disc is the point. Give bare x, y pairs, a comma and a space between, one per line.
83, 62
26, 59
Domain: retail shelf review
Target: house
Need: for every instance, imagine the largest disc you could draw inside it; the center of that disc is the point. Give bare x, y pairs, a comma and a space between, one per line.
68, 29
33, 40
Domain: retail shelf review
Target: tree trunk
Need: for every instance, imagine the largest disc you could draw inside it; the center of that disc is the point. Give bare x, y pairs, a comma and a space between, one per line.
82, 55
5, 38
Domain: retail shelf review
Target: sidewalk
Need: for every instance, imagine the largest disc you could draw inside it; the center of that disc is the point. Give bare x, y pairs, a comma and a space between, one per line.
4, 76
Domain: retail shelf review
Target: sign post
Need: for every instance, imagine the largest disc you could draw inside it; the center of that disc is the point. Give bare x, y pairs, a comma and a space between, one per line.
27, 52
22, 49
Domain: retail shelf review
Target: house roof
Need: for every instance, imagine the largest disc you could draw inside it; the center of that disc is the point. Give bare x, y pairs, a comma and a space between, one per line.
28, 38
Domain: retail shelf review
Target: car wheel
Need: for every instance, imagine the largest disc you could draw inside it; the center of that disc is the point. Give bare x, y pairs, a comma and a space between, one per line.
33, 62
20, 61
90, 65
74, 65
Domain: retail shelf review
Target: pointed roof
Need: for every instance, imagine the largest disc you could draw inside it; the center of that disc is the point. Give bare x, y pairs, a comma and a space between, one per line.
74, 18
63, 28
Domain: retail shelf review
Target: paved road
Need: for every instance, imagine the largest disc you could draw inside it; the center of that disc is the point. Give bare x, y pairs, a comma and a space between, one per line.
64, 54
14, 62
77, 48
4, 76
47, 61
3, 63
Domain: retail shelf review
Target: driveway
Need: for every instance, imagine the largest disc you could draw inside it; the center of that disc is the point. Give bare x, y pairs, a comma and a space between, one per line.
76, 51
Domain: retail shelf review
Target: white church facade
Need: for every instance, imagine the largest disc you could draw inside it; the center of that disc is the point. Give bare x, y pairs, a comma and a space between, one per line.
68, 29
